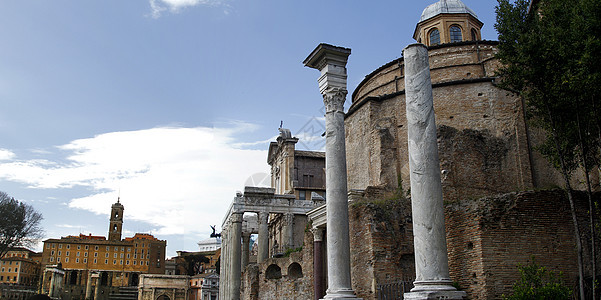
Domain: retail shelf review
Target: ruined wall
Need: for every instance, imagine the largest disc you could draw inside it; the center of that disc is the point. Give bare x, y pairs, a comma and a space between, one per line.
489, 237
286, 278
381, 235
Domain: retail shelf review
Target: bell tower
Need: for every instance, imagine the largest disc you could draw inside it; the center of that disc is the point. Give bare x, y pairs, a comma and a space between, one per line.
116, 221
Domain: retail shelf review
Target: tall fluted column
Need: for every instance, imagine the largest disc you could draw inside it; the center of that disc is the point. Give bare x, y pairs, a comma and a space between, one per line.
52, 283
245, 249
236, 233
331, 61
431, 261
223, 264
318, 283
263, 238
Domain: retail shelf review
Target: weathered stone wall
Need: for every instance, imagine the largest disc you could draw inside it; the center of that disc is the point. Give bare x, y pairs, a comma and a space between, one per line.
261, 282
487, 238
381, 241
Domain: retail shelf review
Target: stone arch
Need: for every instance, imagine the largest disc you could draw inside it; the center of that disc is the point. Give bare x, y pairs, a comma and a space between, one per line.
273, 272
295, 271
433, 37
163, 297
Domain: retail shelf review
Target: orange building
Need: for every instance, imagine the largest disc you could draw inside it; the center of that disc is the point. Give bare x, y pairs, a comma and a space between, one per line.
89, 260
20, 266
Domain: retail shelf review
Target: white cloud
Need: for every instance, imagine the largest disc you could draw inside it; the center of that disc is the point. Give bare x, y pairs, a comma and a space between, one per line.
159, 6
6, 154
178, 179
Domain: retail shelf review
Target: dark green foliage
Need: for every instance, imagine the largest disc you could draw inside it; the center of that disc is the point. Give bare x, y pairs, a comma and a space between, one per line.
292, 250
19, 224
538, 283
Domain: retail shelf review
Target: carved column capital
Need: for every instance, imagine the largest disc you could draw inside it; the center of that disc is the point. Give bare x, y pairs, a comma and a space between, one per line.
334, 99
317, 234
236, 218
288, 218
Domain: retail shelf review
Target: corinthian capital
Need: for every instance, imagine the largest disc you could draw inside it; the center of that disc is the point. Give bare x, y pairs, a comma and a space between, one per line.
334, 98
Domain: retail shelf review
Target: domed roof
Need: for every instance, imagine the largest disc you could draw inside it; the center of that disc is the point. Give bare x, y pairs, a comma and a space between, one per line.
446, 7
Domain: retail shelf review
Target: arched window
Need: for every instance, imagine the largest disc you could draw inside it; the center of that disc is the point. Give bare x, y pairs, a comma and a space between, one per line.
474, 35
273, 272
295, 271
434, 37
455, 34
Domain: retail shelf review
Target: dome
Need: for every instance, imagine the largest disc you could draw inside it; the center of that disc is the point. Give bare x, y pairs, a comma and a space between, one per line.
446, 7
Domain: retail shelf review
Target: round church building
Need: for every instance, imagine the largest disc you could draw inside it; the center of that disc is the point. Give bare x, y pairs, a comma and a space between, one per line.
484, 142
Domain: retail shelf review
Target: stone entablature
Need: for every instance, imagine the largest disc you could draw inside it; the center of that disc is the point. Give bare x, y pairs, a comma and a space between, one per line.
153, 286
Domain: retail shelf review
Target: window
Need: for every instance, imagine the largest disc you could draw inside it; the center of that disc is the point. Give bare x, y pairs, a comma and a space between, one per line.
58, 259
127, 255
59, 252
53, 245
106, 255
116, 248
302, 195
8, 270
474, 35
78, 253
85, 260
95, 261
122, 249
68, 247
127, 262
121, 256
95, 254
78, 247
51, 259
85, 254
135, 262
114, 262
67, 254
108, 248
60, 246
128, 249
67, 260
77, 260
52, 252
106, 261
47, 246
455, 34
87, 247
96, 248
115, 255
434, 37
121, 262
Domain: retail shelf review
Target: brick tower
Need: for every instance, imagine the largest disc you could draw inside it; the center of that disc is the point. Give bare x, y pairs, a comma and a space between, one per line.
116, 222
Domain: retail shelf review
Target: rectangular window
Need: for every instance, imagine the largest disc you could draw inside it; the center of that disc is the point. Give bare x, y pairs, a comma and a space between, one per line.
78, 247
85, 254
127, 262
116, 248
95, 261
141, 263
77, 260
128, 249
53, 245
127, 255
114, 261
67, 260
60, 246
106, 261
51, 259
122, 249
52, 252
77, 253
106, 255
121, 256
58, 259
68, 246
67, 254
135, 261
95, 254
108, 248
147, 263
47, 246
96, 248
85, 260
135, 255
121, 262
87, 247
115, 255
8, 270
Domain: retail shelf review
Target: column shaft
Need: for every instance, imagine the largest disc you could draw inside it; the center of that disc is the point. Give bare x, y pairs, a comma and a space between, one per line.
263, 238
245, 249
318, 280
288, 241
236, 233
52, 283
431, 261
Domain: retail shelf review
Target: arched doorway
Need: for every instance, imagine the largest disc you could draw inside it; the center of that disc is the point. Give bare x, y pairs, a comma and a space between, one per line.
133, 279
163, 297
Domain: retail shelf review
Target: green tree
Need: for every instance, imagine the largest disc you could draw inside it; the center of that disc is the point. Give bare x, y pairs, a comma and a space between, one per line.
19, 224
537, 283
550, 54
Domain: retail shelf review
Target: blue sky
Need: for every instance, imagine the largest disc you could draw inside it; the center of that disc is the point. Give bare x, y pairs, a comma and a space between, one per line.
170, 104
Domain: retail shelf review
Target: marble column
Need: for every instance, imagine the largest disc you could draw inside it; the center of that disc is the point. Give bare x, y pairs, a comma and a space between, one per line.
97, 289
245, 249
431, 261
236, 247
52, 284
288, 241
223, 264
263, 238
318, 282
89, 286
331, 62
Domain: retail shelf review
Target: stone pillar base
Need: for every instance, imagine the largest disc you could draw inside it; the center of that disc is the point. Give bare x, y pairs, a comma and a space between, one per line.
341, 296
435, 295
